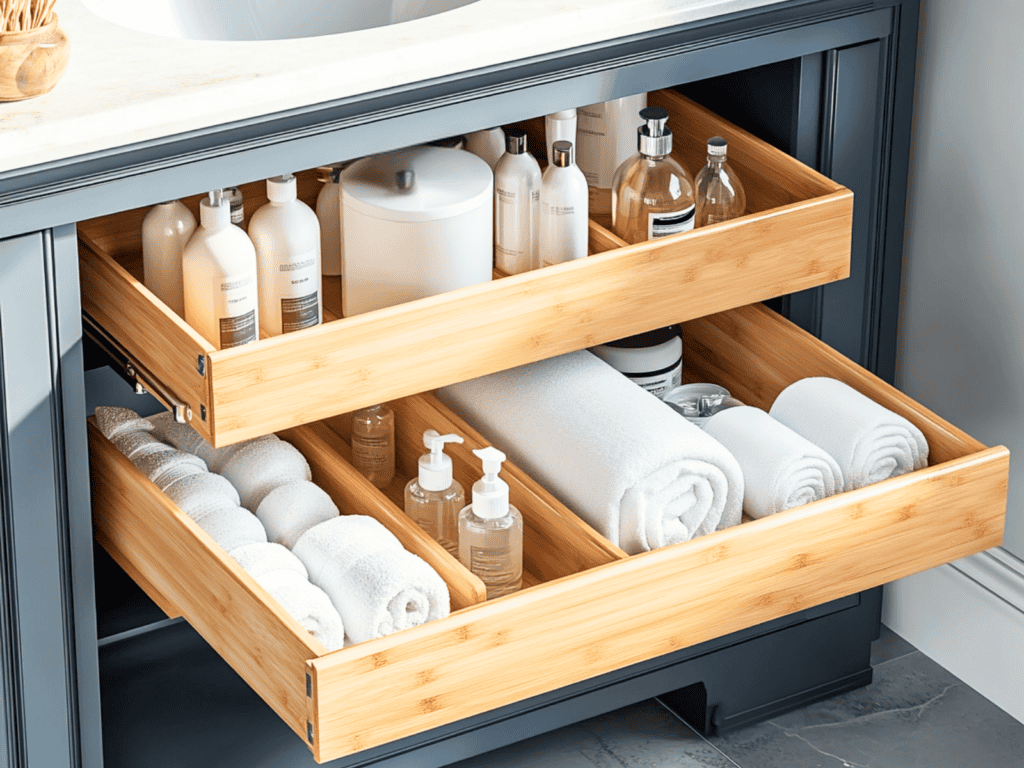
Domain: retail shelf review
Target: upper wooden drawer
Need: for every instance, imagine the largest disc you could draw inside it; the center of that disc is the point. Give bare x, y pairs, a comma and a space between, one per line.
588, 608
796, 235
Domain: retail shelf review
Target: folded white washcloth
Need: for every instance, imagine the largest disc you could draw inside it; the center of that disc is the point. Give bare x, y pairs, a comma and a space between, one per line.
307, 604
198, 492
291, 509
868, 441
156, 465
113, 421
781, 469
377, 587
258, 467
233, 527
185, 438
636, 470
260, 559
138, 443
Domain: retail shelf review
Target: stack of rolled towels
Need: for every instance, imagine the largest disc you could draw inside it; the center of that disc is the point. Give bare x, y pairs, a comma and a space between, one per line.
360, 583
821, 437
625, 462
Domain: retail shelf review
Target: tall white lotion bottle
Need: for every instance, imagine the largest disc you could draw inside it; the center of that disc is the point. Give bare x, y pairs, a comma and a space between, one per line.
491, 530
286, 234
166, 230
434, 498
219, 276
517, 181
564, 227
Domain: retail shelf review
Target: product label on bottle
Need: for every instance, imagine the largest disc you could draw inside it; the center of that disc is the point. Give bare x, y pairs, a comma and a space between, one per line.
238, 330
561, 238
237, 316
299, 290
663, 223
514, 227
658, 382
590, 136
373, 454
299, 313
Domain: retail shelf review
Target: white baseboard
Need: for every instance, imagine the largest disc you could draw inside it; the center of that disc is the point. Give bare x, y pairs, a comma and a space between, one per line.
969, 617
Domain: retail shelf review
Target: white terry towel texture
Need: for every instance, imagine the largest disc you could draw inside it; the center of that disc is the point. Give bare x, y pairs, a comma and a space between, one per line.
196, 492
291, 509
260, 559
781, 469
138, 443
156, 465
376, 585
114, 421
868, 441
170, 478
637, 471
233, 527
307, 604
257, 468
185, 438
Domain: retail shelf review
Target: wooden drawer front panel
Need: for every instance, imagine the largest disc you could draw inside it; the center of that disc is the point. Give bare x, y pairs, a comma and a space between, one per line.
591, 610
795, 235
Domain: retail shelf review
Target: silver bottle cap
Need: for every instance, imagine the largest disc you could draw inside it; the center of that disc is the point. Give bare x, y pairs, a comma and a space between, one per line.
654, 138
699, 402
405, 180
563, 153
515, 141
717, 147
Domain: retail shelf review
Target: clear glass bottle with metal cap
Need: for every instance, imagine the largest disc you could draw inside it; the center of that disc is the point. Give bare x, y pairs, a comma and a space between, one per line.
720, 194
373, 444
564, 206
652, 194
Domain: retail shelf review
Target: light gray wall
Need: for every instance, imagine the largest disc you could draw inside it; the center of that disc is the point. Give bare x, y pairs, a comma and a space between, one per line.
961, 335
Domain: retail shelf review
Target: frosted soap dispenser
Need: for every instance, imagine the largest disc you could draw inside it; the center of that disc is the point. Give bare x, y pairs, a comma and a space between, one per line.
219, 276
435, 498
166, 231
491, 530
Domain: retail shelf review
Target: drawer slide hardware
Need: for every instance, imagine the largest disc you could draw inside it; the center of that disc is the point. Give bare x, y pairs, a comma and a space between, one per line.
135, 374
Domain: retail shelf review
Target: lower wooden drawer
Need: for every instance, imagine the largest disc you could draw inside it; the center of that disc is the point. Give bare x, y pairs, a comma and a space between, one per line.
587, 609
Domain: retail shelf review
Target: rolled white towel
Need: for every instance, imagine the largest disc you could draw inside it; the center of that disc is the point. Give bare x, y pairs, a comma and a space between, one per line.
257, 468
868, 441
636, 470
185, 438
178, 473
781, 469
113, 421
137, 443
260, 559
196, 492
291, 509
233, 527
307, 604
377, 587
155, 465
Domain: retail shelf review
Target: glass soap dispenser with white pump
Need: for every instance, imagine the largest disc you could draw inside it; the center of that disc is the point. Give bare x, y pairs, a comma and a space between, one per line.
652, 194
434, 499
491, 530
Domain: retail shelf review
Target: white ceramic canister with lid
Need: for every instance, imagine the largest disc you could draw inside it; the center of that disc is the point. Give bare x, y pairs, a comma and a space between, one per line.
417, 222
654, 360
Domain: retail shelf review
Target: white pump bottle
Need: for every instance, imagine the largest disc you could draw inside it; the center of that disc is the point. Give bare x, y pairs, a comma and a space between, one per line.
435, 498
491, 531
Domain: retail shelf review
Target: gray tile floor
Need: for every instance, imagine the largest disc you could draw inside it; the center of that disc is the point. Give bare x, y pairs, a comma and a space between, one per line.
914, 715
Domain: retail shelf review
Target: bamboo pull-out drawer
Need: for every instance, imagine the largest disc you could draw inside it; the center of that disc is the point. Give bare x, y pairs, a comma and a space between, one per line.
586, 608
795, 235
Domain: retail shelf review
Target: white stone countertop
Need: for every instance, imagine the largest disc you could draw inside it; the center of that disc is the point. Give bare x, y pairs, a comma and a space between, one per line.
124, 86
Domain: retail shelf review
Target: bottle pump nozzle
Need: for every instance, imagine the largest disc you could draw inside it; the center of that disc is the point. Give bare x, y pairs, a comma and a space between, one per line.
653, 137
435, 467
214, 211
490, 493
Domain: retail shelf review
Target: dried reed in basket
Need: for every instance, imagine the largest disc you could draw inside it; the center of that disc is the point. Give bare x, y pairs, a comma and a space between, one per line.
24, 15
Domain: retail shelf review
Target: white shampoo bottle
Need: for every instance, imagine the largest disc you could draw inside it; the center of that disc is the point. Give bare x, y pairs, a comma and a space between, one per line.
517, 183
165, 233
219, 269
286, 234
559, 126
564, 228
328, 211
488, 145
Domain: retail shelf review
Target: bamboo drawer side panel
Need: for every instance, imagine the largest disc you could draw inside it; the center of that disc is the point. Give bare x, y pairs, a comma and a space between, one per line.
137, 523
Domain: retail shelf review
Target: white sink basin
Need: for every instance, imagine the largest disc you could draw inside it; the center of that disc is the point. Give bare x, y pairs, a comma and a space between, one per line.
262, 19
